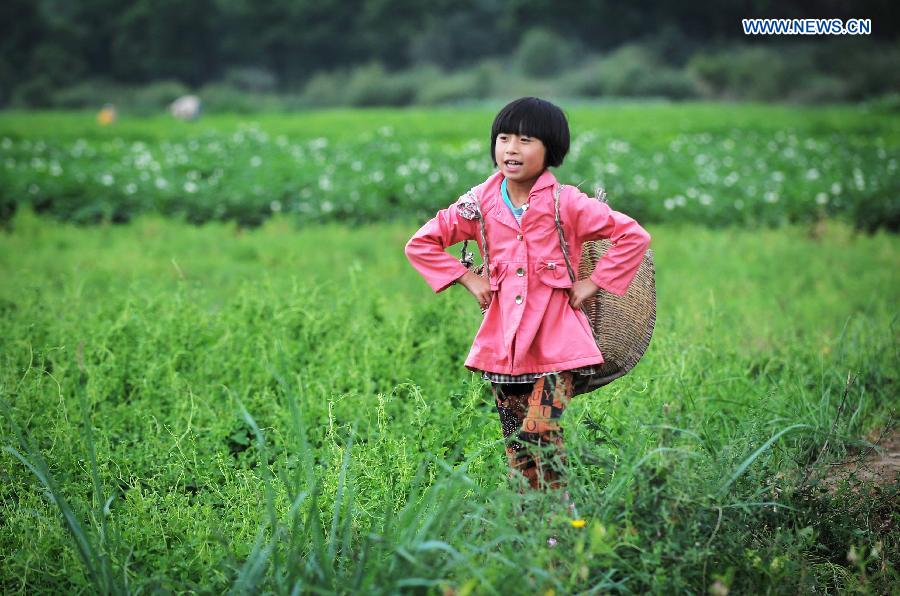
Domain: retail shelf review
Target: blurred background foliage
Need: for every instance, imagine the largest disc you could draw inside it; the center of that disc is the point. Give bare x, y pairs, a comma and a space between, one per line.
241, 56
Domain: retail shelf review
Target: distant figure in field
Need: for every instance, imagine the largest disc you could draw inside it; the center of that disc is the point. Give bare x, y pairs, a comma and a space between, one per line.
186, 107
107, 114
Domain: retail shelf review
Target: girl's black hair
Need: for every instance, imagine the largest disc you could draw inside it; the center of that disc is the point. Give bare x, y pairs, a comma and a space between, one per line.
537, 118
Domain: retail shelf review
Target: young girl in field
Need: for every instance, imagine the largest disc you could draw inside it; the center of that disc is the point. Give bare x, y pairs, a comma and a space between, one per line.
534, 337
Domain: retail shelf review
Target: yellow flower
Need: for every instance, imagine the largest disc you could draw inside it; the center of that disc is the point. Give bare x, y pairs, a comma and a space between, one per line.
578, 523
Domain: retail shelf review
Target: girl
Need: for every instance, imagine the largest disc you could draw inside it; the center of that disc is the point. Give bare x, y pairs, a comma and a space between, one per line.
534, 337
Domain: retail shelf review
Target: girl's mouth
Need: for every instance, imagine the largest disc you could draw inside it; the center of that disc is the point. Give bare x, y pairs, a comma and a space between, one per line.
512, 164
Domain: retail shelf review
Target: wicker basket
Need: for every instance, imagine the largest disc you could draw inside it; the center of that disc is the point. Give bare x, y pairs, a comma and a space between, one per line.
622, 325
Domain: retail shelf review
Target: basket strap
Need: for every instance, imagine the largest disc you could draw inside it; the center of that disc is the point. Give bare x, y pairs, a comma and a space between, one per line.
487, 264
562, 236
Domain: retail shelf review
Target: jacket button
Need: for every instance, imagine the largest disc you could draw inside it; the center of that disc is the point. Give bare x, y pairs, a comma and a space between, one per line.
519, 299
518, 236
520, 272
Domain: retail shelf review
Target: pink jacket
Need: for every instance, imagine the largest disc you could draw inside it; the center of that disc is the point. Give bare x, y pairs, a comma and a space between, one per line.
529, 325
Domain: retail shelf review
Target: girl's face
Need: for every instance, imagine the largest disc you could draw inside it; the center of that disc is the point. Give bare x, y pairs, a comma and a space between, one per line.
520, 158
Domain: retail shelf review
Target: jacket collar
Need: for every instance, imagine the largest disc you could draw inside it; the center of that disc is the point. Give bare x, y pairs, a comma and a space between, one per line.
493, 204
544, 180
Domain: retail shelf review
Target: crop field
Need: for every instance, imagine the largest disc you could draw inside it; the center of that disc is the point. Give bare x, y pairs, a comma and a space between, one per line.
711, 164
220, 373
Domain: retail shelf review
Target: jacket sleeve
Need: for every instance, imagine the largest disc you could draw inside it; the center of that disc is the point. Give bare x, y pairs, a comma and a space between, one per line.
426, 250
595, 220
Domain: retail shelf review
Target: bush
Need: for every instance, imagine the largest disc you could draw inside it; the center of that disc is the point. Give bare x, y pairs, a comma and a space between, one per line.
471, 83
255, 80
887, 103
543, 53
90, 94
820, 88
632, 70
221, 97
325, 89
754, 72
34, 93
866, 68
371, 85
156, 97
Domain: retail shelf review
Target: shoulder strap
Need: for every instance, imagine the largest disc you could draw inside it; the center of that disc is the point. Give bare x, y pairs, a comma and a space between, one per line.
467, 256
562, 237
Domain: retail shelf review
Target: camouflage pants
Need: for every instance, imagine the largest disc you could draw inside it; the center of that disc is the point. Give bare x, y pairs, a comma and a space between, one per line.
529, 415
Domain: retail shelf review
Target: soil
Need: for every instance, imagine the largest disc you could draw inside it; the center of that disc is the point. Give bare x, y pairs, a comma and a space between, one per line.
868, 468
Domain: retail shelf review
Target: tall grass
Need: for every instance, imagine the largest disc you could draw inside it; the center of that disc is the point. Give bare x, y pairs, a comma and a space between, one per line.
288, 412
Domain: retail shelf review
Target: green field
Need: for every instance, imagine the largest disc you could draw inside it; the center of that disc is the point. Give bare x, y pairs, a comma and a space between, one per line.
699, 163
285, 407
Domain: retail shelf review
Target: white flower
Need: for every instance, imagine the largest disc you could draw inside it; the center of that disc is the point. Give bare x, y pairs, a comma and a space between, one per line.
130, 188
821, 198
770, 196
327, 206
705, 199
778, 176
255, 161
161, 183
190, 187
275, 205
669, 204
836, 188
107, 179
377, 175
812, 174
324, 182
739, 204
356, 166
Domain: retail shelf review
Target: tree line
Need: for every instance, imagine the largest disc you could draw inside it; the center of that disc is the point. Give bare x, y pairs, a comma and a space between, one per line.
56, 43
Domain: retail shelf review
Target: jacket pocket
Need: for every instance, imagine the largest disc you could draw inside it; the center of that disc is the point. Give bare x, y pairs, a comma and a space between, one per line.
498, 272
554, 274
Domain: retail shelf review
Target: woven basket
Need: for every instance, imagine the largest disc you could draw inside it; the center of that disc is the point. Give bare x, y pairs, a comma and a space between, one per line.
622, 325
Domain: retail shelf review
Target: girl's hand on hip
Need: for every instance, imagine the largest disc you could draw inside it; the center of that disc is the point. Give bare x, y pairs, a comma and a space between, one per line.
582, 290
479, 287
